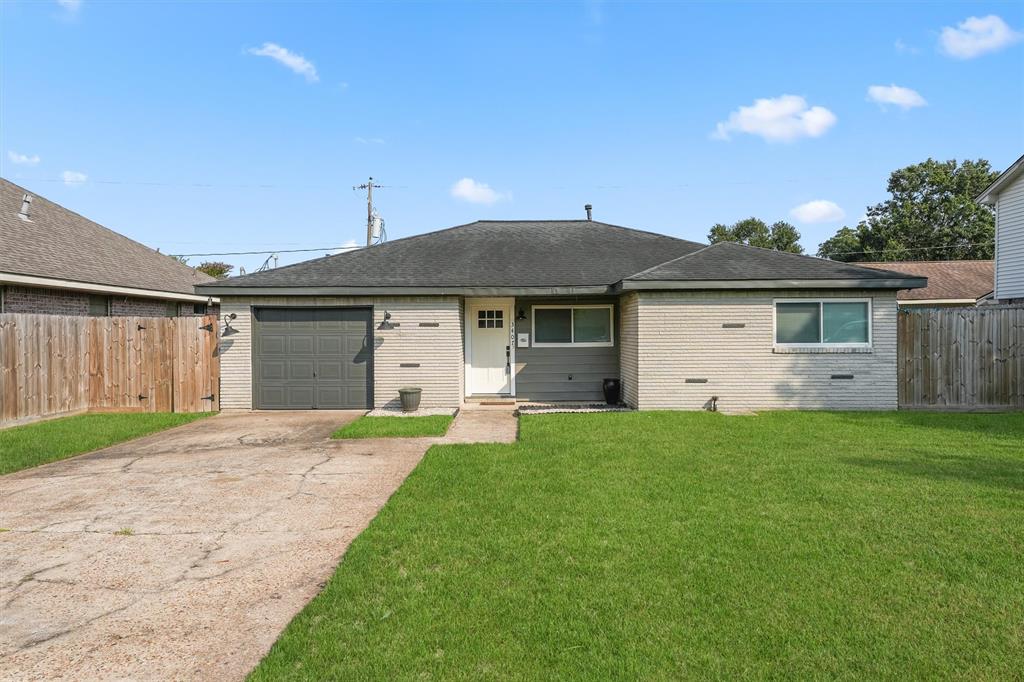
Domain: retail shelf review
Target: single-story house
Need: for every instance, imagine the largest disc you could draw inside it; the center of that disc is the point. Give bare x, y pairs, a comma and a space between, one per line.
55, 261
1006, 196
547, 310
951, 283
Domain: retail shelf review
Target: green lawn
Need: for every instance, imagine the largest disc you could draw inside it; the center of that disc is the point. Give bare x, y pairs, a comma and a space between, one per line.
395, 427
688, 545
34, 444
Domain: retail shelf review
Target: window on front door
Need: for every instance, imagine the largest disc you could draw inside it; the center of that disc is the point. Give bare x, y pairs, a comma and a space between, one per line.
490, 319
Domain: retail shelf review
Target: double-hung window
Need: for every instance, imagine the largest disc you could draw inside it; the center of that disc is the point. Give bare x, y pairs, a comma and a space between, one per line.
572, 325
823, 323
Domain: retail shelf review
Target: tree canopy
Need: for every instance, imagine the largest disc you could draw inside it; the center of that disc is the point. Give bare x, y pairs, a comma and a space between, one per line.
215, 269
780, 236
931, 214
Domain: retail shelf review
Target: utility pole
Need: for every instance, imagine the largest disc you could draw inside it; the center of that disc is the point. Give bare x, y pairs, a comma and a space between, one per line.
369, 208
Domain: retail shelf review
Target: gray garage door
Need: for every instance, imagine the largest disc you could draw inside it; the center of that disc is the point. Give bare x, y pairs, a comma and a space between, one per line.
313, 358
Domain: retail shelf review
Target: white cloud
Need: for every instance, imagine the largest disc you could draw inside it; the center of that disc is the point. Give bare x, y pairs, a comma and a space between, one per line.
975, 36
295, 62
903, 48
904, 98
347, 246
71, 6
369, 140
23, 159
818, 211
782, 119
475, 192
72, 178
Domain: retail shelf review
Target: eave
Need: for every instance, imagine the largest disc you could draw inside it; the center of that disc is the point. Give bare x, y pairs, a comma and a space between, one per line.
878, 283
54, 283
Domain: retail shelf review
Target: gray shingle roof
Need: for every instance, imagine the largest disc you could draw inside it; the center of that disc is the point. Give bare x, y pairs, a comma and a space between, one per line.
60, 244
487, 253
574, 254
737, 262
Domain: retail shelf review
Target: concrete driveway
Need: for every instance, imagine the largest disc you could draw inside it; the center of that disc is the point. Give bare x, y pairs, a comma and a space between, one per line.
182, 555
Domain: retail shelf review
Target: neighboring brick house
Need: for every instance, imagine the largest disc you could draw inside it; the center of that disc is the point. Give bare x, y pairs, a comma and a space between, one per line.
54, 261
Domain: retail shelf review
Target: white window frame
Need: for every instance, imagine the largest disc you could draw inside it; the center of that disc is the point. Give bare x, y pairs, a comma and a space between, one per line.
572, 326
821, 322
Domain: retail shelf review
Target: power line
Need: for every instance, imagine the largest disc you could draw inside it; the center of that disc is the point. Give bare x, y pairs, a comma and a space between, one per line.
262, 253
916, 248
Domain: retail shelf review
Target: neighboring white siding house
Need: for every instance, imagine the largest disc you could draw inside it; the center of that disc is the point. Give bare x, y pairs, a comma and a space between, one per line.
1006, 194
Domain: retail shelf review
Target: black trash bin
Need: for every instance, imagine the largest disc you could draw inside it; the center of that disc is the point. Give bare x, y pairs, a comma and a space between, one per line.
612, 391
410, 398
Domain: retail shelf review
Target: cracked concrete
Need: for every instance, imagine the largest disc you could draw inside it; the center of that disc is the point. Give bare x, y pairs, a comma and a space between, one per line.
236, 522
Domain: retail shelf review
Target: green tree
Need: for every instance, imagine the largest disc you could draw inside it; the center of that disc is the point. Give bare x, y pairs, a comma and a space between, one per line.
215, 269
780, 236
931, 214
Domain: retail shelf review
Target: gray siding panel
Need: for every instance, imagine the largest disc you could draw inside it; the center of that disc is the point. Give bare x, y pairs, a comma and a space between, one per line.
542, 374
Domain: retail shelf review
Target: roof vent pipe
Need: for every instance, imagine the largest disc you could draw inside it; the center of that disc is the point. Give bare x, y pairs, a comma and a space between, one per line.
26, 204
589, 208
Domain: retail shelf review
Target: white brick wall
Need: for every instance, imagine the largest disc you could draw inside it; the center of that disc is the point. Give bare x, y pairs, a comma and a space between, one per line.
680, 336
629, 306
438, 350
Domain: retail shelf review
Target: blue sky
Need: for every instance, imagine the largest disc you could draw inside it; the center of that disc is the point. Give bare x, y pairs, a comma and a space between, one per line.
650, 112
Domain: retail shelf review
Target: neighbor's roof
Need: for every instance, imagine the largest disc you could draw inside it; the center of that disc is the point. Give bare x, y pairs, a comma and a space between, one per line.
56, 243
1004, 179
947, 279
551, 257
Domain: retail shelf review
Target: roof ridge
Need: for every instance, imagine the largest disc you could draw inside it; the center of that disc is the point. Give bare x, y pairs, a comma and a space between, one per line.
672, 260
952, 260
800, 255
114, 232
357, 249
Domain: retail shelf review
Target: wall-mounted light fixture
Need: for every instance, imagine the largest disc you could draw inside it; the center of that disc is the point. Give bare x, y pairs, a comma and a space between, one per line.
521, 315
228, 329
387, 315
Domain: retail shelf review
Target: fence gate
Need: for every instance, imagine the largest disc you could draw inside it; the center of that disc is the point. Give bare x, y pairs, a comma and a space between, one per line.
961, 358
52, 364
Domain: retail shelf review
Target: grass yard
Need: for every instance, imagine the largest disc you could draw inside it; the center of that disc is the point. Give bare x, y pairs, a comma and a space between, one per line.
688, 545
395, 427
27, 446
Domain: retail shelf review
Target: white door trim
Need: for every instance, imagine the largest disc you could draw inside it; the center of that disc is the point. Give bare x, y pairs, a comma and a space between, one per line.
470, 304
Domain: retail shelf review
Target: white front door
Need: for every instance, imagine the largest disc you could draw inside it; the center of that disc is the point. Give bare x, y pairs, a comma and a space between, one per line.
490, 336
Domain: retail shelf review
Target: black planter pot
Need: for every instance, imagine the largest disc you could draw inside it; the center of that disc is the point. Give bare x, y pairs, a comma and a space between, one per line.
410, 398
612, 391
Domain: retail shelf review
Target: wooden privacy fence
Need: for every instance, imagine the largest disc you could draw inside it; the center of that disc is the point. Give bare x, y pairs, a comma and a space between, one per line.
961, 358
52, 364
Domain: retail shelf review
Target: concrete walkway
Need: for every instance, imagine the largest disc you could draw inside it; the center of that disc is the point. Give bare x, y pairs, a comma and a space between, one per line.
483, 424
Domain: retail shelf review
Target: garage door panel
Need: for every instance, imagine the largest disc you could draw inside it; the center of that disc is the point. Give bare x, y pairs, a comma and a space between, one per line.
302, 344
272, 370
312, 358
330, 370
300, 370
273, 344
333, 344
